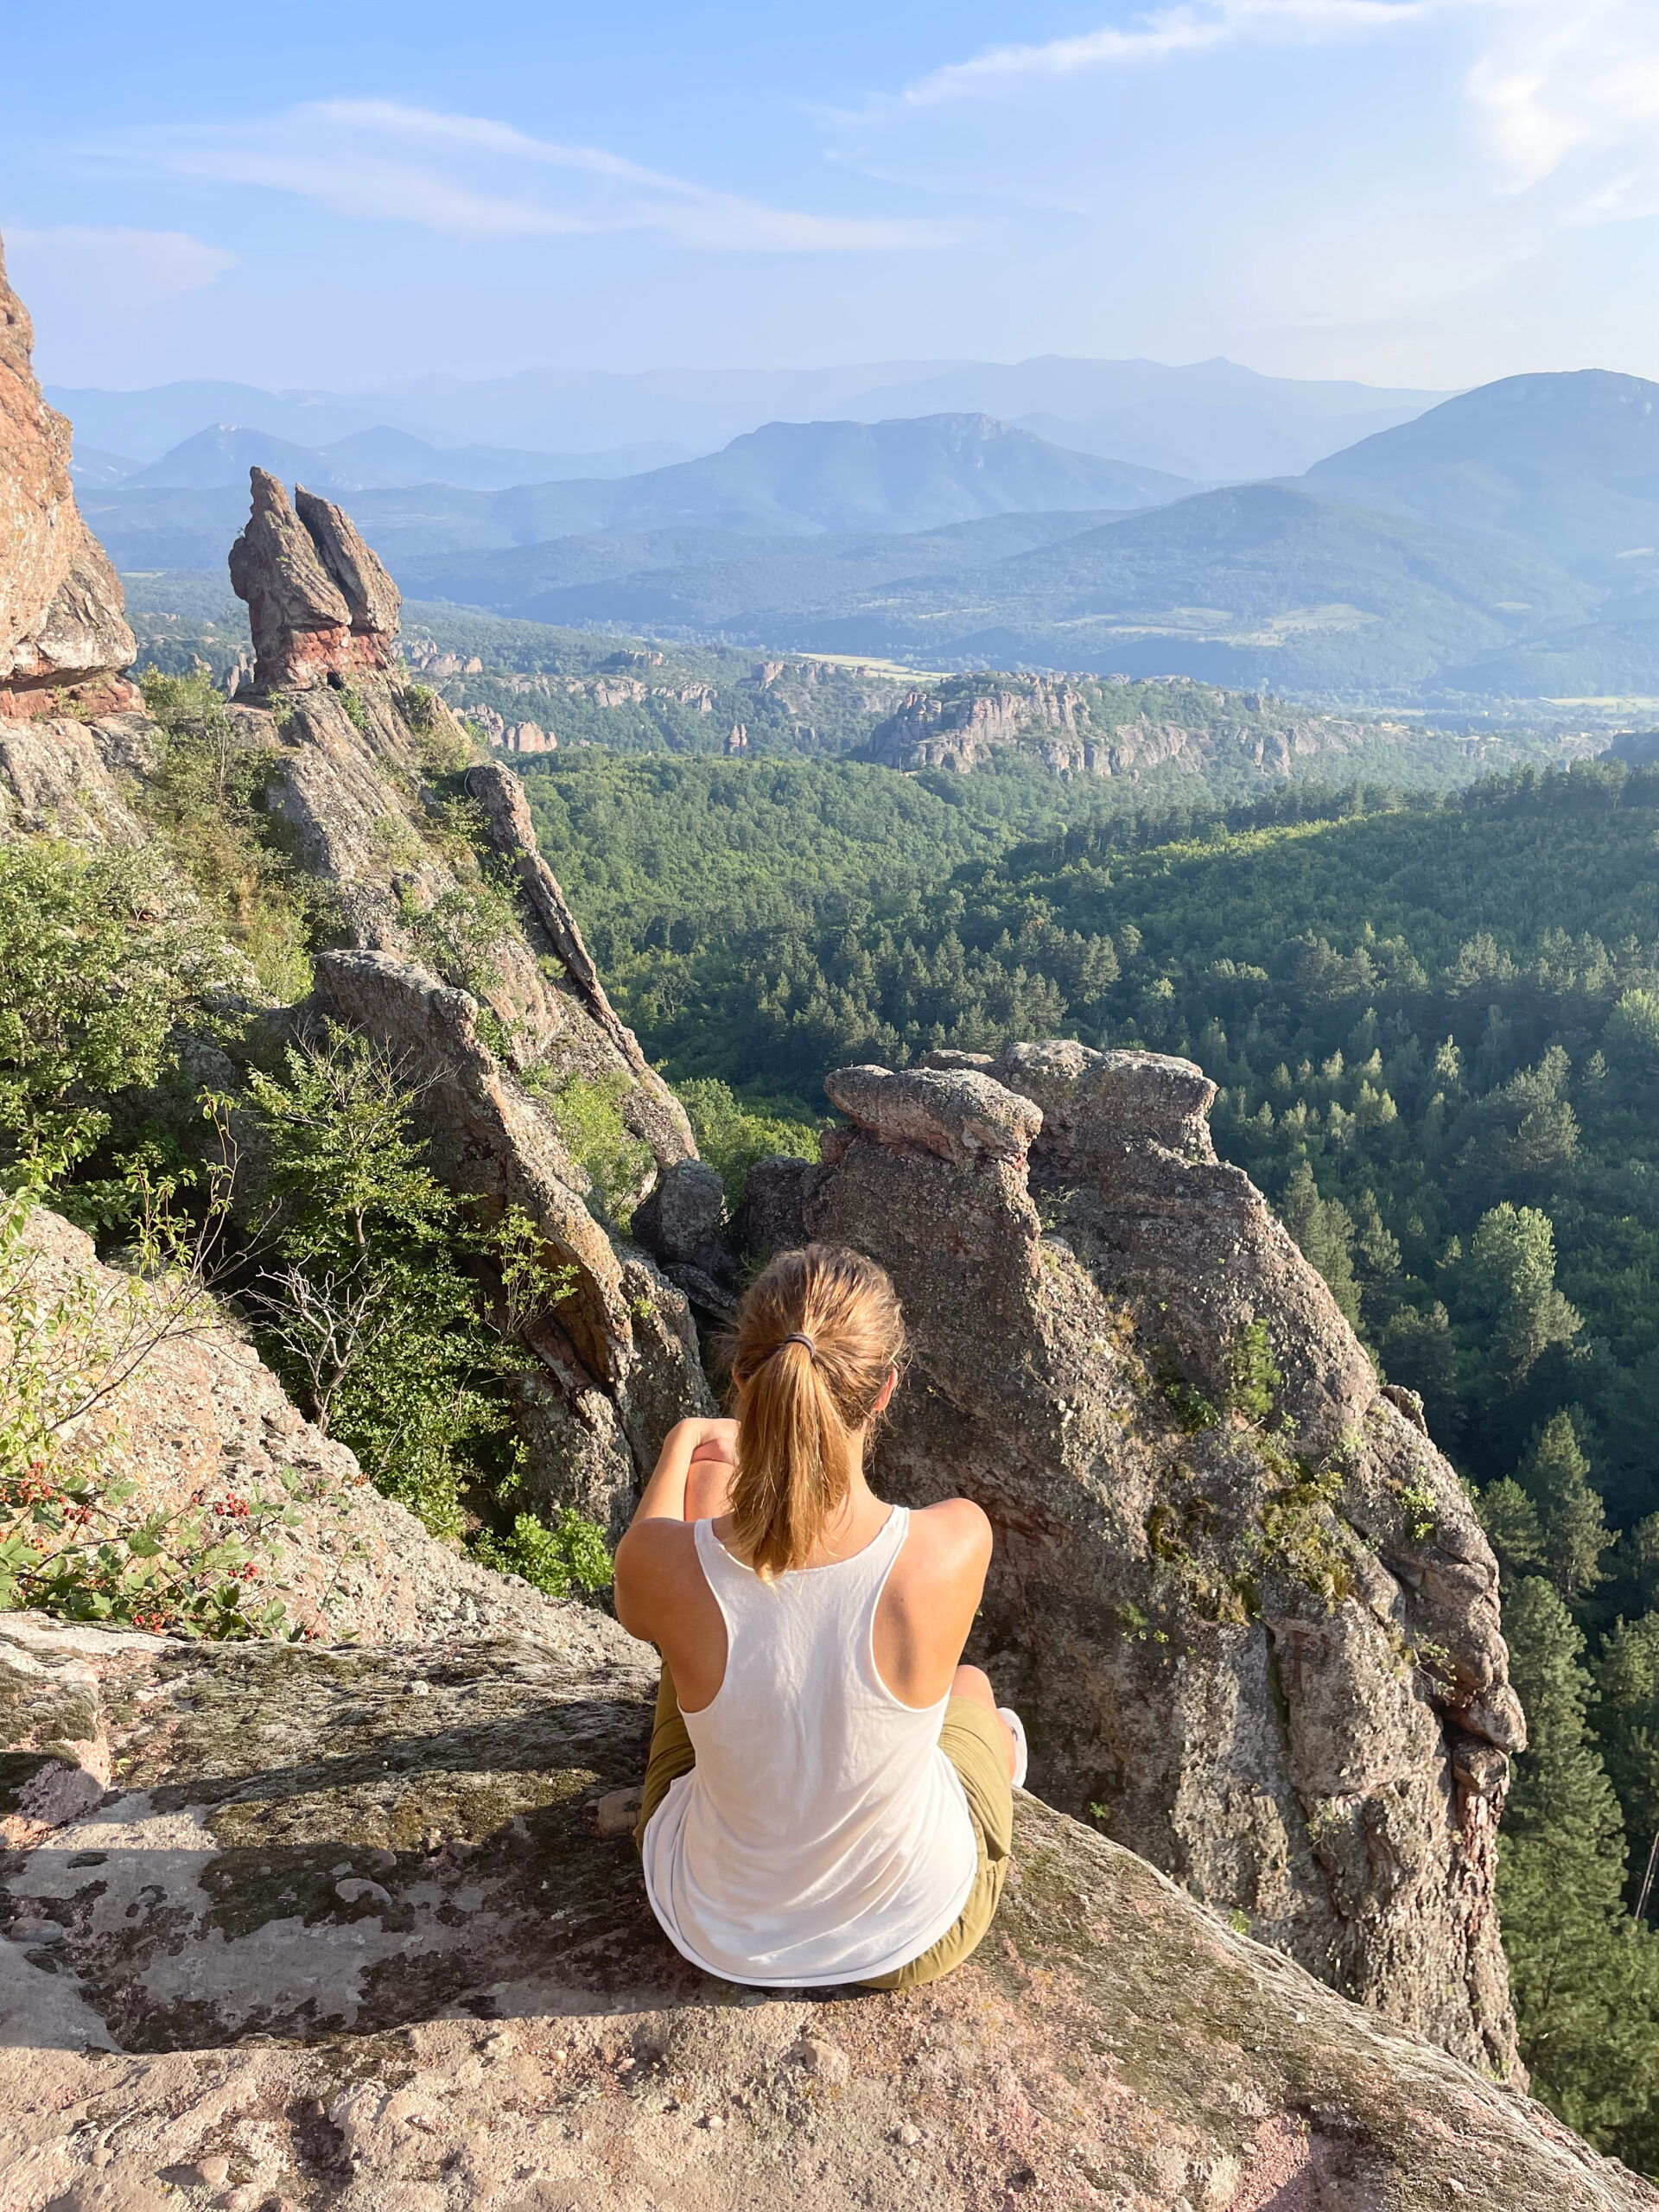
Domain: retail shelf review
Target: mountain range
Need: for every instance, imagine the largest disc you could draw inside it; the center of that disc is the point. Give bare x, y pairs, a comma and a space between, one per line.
787, 478
1503, 544
1209, 421
1506, 544
372, 460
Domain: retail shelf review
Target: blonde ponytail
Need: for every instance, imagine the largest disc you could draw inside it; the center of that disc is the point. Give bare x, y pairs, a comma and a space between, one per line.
818, 1335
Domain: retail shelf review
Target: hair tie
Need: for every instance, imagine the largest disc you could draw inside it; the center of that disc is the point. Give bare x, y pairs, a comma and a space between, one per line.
800, 1337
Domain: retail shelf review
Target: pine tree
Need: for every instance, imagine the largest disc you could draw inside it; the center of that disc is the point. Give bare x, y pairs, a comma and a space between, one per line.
1325, 1230
1584, 1975
1554, 1476
1510, 1272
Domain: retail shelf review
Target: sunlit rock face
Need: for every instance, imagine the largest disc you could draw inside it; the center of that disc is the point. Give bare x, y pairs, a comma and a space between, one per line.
319, 601
343, 1929
62, 628
1240, 1598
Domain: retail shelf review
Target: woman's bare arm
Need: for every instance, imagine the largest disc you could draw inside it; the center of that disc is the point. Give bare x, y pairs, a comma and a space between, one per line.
697, 1457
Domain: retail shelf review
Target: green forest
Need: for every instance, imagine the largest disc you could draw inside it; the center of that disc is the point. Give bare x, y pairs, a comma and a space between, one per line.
1433, 1023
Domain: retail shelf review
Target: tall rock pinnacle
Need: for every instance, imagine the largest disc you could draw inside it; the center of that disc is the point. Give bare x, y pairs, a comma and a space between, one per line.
61, 623
319, 601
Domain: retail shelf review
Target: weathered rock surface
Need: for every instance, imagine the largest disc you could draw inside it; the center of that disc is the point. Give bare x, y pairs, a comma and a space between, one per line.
201, 1421
342, 1935
683, 1223
60, 775
617, 1351
319, 601
61, 624
962, 723
499, 796
1265, 1643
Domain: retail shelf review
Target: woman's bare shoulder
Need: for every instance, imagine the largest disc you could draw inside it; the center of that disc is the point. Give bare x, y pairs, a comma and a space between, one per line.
955, 1528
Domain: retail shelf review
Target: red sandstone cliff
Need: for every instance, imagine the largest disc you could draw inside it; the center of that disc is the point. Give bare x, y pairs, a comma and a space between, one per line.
61, 624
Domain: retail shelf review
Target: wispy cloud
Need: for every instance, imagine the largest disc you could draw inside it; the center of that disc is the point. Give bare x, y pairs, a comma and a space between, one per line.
119, 273
470, 176
1559, 82
1155, 37
1556, 79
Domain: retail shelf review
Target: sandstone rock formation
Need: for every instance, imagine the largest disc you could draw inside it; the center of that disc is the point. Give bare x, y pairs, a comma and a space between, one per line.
360, 766
319, 601
62, 625
341, 1935
1249, 1618
1063, 721
617, 1352
472, 968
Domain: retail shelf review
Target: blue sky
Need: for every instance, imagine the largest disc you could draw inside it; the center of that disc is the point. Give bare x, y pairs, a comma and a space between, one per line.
1416, 192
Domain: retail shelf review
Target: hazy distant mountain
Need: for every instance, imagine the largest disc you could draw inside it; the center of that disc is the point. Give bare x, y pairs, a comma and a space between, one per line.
1214, 443
1262, 585
789, 478
1566, 465
89, 465
903, 475
390, 457
223, 456
374, 460
1210, 420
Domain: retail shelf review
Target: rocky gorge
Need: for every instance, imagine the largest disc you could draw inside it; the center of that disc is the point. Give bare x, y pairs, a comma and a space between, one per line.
351, 1920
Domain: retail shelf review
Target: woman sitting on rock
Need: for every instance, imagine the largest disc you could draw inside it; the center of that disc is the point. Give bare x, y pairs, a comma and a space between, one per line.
828, 1797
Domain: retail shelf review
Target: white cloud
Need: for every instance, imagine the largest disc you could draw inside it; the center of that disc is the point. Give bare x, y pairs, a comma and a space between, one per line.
111, 273
1156, 37
1558, 81
1575, 86
472, 177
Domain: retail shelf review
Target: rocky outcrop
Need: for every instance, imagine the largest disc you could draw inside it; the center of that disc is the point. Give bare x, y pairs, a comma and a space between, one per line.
461, 956
346, 1932
1077, 725
616, 1356
202, 1424
320, 604
616, 1351
360, 766
1240, 1598
684, 1223
500, 796
62, 630
58, 774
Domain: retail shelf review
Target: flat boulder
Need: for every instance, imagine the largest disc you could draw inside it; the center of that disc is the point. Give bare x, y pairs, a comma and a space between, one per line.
351, 1929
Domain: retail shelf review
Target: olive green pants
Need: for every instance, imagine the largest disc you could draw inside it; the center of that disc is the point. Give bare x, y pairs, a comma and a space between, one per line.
972, 1739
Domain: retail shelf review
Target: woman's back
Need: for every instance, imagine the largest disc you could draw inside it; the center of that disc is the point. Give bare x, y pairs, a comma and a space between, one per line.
822, 1835
829, 1796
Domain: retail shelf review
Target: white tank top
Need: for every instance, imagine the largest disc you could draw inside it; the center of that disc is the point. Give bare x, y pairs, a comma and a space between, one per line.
822, 1836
